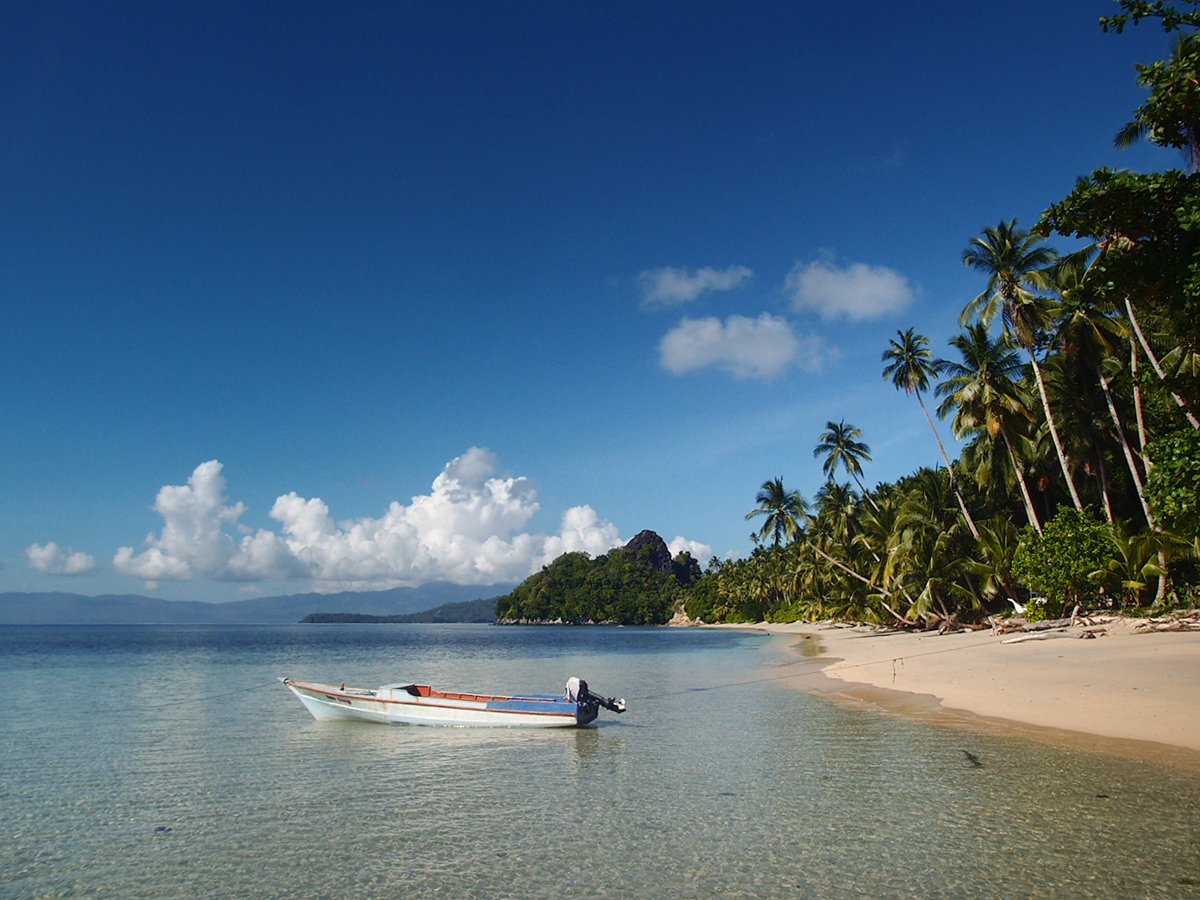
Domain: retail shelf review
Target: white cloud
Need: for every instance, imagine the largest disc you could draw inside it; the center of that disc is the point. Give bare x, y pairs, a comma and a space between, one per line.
669, 286
51, 559
582, 530
857, 292
702, 553
468, 529
193, 542
744, 347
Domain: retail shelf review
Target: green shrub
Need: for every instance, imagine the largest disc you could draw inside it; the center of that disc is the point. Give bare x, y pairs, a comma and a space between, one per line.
1173, 487
1057, 564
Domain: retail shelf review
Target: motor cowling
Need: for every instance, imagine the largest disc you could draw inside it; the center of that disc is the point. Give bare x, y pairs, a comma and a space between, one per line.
581, 694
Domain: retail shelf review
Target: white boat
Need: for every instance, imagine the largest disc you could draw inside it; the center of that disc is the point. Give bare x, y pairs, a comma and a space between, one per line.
420, 704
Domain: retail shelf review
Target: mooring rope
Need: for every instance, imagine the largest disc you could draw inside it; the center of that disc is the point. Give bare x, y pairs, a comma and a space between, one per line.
181, 701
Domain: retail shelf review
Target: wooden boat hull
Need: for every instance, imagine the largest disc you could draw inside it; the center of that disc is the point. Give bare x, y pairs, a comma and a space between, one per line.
403, 704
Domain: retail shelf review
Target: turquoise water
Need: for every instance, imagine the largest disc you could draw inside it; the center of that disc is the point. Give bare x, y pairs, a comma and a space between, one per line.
167, 761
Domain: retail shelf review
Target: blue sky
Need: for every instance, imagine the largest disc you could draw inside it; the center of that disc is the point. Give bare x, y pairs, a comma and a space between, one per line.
325, 295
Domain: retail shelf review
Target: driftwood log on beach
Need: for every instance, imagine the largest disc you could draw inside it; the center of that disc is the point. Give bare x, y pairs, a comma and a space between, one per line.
1049, 635
1181, 621
1188, 620
1004, 626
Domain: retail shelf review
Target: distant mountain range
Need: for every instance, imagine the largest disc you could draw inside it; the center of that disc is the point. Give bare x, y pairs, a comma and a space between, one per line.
133, 609
473, 611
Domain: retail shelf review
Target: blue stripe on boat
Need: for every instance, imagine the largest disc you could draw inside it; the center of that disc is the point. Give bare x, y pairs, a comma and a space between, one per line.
536, 706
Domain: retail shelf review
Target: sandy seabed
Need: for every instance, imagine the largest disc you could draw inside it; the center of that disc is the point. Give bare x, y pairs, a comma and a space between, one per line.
1121, 692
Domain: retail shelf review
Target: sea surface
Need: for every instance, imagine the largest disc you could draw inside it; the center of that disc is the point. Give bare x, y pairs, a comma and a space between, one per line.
169, 761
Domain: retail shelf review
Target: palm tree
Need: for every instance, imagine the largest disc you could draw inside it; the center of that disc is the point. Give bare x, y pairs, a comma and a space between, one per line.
930, 560
1018, 266
983, 394
833, 528
997, 546
1156, 364
840, 443
1090, 337
910, 364
1134, 561
783, 509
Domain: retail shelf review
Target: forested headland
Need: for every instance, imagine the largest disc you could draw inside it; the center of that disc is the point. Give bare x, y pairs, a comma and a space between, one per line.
1073, 389
638, 584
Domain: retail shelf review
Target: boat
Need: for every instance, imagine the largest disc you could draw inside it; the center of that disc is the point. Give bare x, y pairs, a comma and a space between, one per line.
419, 704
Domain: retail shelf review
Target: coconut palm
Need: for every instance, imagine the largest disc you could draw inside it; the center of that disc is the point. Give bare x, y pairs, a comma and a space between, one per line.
784, 510
910, 364
1018, 267
930, 560
1084, 424
983, 394
1090, 337
1138, 559
998, 542
1157, 364
840, 444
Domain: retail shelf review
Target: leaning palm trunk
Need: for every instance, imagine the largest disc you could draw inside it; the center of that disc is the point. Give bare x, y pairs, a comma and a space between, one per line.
1126, 450
1158, 370
870, 499
1105, 493
1138, 410
1029, 509
962, 504
1062, 456
845, 568
1137, 483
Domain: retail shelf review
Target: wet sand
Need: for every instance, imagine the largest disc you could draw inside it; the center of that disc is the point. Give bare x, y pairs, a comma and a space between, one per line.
1139, 694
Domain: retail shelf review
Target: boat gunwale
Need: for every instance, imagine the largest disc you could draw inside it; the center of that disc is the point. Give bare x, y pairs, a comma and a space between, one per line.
422, 702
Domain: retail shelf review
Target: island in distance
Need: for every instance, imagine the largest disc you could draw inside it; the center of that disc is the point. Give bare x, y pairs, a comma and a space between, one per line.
637, 584
53, 608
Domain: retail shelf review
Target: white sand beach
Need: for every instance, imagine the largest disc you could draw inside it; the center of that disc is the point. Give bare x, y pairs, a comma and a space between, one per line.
1122, 686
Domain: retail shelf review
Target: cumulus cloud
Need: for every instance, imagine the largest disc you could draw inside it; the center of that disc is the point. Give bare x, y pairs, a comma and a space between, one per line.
469, 529
51, 559
582, 530
193, 541
857, 292
669, 286
702, 553
744, 347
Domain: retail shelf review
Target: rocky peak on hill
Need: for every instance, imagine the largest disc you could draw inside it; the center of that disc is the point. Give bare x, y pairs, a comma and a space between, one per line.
647, 547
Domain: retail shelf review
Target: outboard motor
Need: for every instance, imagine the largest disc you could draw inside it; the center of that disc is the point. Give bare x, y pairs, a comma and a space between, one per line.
589, 703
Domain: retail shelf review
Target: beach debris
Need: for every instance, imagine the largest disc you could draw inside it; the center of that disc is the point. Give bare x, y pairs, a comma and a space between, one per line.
1183, 620
1051, 635
950, 626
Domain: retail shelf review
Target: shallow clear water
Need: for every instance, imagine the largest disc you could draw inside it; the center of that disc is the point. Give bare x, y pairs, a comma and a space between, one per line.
159, 761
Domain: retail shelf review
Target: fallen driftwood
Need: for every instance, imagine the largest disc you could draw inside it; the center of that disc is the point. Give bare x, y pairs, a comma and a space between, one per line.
1049, 624
1004, 626
1179, 621
1048, 635
1153, 627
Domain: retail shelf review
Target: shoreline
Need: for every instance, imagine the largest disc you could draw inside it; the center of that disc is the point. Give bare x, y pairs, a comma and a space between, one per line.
1132, 695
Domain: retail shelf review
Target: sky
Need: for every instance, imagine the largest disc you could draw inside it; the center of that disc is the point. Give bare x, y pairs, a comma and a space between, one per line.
328, 296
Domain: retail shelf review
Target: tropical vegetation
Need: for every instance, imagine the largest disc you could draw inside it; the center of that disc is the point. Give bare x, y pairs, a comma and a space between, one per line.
1073, 388
638, 584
